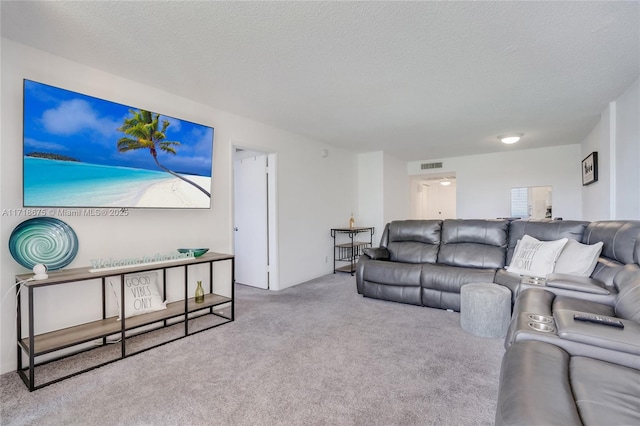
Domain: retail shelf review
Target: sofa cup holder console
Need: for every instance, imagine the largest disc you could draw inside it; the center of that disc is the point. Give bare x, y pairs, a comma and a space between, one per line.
539, 326
541, 323
540, 318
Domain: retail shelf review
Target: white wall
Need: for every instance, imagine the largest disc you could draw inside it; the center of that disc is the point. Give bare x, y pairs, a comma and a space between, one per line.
616, 139
484, 181
371, 192
596, 197
397, 200
314, 193
627, 144
383, 191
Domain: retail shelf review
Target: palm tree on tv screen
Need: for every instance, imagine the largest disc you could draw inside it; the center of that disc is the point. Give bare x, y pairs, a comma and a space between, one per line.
143, 133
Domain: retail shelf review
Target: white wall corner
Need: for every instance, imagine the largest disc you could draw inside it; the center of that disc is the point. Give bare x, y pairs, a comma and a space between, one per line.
613, 181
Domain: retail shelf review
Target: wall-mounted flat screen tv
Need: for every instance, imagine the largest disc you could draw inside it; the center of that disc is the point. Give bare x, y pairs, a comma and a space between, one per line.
81, 151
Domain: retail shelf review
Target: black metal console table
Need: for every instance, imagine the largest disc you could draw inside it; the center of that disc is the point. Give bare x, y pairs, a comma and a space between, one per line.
70, 341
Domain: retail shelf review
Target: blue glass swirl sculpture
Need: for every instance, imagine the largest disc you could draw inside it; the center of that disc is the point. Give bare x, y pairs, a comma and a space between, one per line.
45, 240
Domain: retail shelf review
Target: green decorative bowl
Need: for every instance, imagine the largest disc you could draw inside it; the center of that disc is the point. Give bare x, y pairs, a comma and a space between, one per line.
45, 240
197, 252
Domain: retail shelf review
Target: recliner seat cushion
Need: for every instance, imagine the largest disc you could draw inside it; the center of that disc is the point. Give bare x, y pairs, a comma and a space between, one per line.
605, 393
452, 278
542, 384
392, 273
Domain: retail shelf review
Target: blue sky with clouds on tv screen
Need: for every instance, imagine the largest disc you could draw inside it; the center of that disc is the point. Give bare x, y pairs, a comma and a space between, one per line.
86, 128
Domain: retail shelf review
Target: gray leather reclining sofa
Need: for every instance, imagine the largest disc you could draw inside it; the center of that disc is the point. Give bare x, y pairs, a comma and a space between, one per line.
426, 262
580, 372
563, 371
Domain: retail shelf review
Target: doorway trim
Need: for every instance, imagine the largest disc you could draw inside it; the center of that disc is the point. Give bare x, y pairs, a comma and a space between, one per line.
273, 272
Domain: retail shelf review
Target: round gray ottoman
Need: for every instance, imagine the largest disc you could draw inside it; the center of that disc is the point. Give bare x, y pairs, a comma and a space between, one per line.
485, 309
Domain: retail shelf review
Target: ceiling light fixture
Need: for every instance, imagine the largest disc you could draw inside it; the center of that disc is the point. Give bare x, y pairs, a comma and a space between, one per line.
445, 182
509, 139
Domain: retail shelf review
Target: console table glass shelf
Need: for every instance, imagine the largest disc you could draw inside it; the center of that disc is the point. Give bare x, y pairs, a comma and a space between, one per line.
182, 313
347, 246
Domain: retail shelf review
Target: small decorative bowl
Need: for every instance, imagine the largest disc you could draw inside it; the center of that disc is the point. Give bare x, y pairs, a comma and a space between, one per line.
197, 252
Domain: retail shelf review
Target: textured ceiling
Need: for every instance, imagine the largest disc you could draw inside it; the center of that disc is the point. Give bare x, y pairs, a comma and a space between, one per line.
419, 80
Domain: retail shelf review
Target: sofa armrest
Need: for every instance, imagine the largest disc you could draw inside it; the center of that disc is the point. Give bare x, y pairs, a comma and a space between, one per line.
576, 283
534, 387
625, 339
377, 253
572, 286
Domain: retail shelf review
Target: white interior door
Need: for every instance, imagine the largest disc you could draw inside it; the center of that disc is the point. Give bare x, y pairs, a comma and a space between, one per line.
447, 201
431, 200
250, 211
428, 202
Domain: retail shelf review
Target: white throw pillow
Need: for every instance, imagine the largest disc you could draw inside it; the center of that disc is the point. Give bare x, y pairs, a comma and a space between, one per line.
578, 259
535, 258
141, 293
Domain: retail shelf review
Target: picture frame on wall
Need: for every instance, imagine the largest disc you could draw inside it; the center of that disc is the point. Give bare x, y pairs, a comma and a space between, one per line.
590, 169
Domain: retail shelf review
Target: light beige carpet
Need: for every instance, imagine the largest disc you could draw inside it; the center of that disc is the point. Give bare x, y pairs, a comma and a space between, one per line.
314, 354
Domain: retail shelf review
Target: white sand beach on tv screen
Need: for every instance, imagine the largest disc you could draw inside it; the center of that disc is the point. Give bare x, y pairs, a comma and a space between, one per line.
176, 193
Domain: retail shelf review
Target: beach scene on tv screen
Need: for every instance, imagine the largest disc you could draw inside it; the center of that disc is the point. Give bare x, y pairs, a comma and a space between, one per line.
81, 151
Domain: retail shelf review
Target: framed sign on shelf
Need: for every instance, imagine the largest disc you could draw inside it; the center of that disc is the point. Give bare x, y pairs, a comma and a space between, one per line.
590, 169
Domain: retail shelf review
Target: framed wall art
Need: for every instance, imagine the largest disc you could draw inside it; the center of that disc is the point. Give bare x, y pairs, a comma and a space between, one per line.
82, 151
590, 169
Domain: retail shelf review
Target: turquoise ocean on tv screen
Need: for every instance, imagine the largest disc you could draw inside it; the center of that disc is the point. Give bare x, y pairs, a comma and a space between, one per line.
55, 183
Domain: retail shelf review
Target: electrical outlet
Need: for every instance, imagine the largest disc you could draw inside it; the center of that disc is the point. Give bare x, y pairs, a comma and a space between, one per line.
326, 259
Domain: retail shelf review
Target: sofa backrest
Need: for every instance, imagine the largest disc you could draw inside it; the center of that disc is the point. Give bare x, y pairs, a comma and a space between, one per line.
544, 230
621, 245
413, 241
627, 280
474, 243
480, 243
621, 239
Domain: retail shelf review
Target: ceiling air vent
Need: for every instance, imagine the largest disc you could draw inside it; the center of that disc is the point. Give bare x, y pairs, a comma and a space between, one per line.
427, 166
